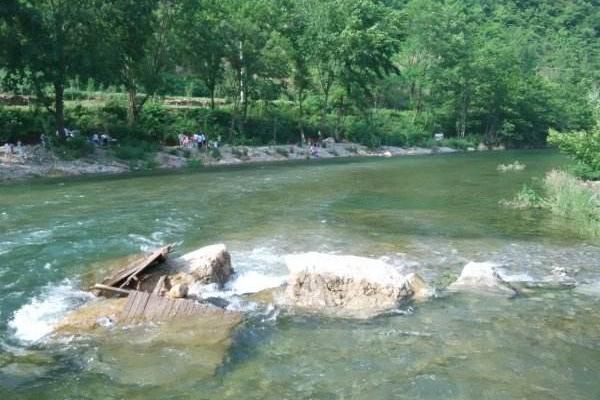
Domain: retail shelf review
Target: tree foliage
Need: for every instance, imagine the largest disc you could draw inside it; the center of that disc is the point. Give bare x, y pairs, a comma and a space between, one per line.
385, 71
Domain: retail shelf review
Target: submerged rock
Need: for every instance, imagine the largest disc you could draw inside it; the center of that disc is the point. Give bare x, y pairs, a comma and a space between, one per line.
481, 276
347, 286
165, 353
104, 313
95, 314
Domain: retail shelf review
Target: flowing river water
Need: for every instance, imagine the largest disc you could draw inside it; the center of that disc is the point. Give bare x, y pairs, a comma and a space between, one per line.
430, 214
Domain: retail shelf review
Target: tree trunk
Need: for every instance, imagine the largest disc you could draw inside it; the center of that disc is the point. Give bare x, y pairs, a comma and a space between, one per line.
274, 128
300, 121
59, 113
212, 97
243, 84
324, 111
464, 108
132, 107
339, 118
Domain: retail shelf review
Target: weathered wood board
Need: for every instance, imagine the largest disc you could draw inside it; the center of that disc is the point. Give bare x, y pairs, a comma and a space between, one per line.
144, 306
125, 276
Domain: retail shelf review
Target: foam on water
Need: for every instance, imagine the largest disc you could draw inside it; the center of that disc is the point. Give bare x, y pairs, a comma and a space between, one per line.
254, 282
243, 283
520, 277
37, 318
145, 243
261, 259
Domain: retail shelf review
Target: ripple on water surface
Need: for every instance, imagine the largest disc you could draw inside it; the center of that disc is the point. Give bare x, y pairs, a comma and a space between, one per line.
430, 215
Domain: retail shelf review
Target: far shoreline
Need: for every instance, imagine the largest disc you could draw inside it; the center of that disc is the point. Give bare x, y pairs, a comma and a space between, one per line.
170, 160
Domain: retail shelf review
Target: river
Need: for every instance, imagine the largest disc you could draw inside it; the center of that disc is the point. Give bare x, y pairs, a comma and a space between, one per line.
430, 214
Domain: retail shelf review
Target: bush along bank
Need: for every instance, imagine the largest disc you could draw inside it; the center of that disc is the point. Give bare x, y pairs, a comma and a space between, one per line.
277, 124
566, 196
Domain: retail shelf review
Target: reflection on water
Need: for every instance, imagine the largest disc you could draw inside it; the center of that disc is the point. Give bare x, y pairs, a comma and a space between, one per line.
425, 214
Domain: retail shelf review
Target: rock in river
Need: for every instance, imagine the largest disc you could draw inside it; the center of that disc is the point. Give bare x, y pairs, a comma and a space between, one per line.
210, 264
178, 291
95, 314
347, 286
482, 276
164, 353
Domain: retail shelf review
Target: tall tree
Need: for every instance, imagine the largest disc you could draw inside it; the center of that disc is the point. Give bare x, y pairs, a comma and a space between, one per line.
55, 40
138, 33
201, 34
251, 25
293, 27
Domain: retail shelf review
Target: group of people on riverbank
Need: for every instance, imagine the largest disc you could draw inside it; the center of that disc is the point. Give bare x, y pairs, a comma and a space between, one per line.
197, 140
10, 151
102, 139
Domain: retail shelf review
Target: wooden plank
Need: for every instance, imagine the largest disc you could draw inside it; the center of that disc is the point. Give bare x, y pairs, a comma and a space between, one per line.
141, 305
159, 255
135, 306
137, 266
150, 307
111, 289
159, 285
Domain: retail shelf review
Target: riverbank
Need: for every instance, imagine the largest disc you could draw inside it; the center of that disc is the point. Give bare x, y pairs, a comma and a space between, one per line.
37, 162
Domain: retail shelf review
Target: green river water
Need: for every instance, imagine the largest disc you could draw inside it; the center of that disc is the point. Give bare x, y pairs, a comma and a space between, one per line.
429, 214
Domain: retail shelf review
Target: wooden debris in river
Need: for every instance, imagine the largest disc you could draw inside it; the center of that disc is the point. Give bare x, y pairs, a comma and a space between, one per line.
150, 305
126, 276
144, 306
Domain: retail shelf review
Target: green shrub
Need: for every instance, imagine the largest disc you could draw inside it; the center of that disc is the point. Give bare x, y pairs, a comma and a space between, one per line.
585, 172
582, 146
155, 121
129, 152
132, 149
567, 197
389, 128
216, 153
23, 124
364, 132
525, 198
194, 164
73, 148
151, 164
115, 107
460, 143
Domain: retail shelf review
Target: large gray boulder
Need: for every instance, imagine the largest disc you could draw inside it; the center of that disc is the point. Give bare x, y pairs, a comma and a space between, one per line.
347, 286
210, 264
482, 276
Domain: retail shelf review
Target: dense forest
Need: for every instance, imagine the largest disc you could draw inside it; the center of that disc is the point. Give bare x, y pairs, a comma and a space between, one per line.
372, 71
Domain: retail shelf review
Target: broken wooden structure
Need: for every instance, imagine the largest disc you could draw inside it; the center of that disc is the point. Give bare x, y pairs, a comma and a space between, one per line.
125, 277
144, 305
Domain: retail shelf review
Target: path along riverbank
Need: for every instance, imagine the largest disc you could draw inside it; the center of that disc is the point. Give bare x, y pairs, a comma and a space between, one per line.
34, 161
